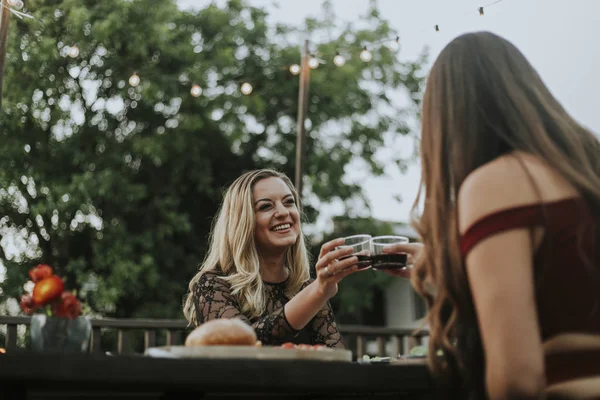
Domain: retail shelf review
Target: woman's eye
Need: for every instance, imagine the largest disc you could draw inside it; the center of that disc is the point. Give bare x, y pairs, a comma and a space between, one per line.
291, 201
264, 207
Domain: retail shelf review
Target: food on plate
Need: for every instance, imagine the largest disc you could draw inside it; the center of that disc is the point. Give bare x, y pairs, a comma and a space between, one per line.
222, 332
317, 347
418, 351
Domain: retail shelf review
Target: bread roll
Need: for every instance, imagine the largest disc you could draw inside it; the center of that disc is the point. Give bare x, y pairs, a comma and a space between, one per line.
222, 332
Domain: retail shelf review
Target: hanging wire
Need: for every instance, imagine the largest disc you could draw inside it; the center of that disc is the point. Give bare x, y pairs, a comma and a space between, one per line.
18, 13
480, 11
338, 59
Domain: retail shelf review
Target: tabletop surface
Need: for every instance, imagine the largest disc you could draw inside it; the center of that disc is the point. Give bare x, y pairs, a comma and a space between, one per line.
89, 371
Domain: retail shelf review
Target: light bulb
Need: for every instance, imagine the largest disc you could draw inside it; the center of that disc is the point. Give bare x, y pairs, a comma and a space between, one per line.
74, 51
339, 60
294, 69
19, 4
313, 63
13, 3
395, 44
246, 88
366, 55
196, 90
134, 79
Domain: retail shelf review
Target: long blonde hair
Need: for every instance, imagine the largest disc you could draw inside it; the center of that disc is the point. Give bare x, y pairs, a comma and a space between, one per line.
233, 250
483, 100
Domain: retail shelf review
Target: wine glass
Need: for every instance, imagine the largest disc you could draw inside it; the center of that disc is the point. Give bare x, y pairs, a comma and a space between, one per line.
381, 260
361, 245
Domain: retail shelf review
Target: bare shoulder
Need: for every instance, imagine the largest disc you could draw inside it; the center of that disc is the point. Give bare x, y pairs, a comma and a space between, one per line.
507, 182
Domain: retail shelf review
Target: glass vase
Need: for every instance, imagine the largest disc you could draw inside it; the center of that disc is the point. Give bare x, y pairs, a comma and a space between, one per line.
60, 334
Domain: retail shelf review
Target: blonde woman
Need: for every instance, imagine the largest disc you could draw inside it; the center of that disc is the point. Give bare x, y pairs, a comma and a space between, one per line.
257, 267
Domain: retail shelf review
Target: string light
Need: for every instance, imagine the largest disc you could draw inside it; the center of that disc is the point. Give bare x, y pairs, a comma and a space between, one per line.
246, 88
18, 4
14, 6
134, 79
395, 44
196, 90
74, 51
366, 55
339, 60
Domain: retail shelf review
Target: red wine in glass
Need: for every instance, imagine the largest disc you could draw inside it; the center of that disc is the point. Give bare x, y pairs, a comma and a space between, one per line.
361, 245
388, 261
363, 261
383, 260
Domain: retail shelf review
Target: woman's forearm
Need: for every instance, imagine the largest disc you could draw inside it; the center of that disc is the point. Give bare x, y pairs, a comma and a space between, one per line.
333, 265
305, 305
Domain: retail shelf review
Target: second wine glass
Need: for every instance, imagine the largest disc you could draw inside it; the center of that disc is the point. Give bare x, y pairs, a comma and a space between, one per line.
383, 260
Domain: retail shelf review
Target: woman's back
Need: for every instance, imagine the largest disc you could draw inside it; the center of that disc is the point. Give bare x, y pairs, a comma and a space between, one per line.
512, 193
567, 294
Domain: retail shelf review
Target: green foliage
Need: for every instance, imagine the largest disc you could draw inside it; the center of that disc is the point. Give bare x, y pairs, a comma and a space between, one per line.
116, 186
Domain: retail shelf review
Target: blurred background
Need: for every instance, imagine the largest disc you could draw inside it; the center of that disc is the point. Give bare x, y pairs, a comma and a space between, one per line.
122, 121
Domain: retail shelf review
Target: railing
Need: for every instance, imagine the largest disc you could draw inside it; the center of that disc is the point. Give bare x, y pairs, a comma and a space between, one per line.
354, 337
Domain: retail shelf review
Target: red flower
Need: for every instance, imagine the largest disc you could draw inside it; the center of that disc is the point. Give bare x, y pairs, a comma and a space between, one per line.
67, 307
27, 304
47, 290
40, 272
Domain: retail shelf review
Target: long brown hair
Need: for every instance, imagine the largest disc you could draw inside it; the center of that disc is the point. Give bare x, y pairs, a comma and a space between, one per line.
483, 99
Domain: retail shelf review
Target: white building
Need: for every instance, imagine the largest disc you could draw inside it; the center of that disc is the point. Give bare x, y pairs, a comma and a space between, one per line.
404, 308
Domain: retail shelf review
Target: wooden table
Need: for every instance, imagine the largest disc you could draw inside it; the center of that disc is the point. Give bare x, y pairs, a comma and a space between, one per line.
29, 375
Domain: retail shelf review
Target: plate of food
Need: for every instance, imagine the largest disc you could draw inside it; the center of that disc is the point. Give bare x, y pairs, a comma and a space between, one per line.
234, 339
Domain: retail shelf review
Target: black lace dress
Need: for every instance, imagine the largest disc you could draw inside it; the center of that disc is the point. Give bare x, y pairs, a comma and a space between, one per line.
213, 299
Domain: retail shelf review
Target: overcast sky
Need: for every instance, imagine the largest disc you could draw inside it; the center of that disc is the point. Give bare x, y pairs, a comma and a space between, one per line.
559, 37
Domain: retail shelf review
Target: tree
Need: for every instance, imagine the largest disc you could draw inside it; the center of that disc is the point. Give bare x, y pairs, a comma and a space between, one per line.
115, 186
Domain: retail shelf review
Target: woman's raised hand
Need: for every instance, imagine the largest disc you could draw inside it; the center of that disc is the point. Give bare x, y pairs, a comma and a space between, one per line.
333, 265
412, 250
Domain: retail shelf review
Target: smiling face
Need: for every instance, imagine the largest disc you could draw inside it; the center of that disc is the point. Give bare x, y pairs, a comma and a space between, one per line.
276, 216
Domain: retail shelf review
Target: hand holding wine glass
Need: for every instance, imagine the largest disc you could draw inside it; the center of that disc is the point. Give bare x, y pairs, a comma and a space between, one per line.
335, 262
361, 249
411, 250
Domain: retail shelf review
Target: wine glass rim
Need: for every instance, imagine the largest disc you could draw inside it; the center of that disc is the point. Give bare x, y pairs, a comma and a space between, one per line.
384, 237
362, 235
